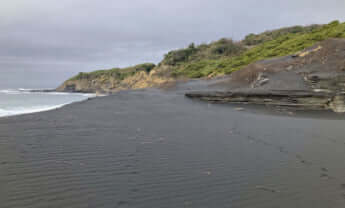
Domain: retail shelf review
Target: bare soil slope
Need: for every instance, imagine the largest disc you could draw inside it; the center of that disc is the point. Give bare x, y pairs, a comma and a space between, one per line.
318, 71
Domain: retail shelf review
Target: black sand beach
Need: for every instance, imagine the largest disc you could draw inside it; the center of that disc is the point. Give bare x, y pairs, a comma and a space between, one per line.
159, 149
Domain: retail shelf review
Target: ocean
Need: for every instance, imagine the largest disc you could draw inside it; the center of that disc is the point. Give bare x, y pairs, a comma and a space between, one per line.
16, 85
23, 101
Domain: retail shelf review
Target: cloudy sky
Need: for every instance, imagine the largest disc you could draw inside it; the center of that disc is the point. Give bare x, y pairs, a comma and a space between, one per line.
45, 41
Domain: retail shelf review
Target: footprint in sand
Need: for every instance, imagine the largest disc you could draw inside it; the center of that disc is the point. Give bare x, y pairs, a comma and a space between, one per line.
325, 176
342, 186
301, 160
324, 169
122, 203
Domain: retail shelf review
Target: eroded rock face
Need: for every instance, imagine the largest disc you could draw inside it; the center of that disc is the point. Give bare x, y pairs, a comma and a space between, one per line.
305, 99
108, 85
319, 67
297, 99
311, 79
338, 103
325, 81
261, 80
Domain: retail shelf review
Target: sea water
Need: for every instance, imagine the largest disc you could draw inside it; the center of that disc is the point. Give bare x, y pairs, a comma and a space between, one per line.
23, 101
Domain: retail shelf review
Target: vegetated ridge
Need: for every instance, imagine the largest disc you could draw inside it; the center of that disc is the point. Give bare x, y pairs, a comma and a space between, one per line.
217, 58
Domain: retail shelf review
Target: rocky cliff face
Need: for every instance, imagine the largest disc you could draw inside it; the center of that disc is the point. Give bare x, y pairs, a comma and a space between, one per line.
318, 68
225, 56
107, 83
313, 78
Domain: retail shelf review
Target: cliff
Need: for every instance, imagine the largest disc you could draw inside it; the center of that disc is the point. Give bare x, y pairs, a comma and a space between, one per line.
222, 57
311, 79
113, 80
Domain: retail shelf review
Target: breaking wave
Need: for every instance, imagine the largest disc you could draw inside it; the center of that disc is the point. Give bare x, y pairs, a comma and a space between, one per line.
27, 110
24, 101
40, 91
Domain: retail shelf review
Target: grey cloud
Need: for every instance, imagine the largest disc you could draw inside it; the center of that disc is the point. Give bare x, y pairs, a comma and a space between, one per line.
81, 35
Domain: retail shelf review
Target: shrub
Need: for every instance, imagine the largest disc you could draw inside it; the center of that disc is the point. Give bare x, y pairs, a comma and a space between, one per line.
225, 56
290, 40
182, 55
116, 73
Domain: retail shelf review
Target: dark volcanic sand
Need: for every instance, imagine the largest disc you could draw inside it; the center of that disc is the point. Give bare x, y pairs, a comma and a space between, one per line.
159, 149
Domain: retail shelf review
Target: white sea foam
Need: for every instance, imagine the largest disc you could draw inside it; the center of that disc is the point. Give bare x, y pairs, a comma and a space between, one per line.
37, 91
24, 101
27, 89
27, 110
9, 91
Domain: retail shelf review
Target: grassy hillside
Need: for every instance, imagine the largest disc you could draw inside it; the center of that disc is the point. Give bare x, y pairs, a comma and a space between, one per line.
256, 39
280, 43
217, 58
215, 50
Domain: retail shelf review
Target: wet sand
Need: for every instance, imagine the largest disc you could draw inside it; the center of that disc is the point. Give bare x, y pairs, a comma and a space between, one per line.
159, 149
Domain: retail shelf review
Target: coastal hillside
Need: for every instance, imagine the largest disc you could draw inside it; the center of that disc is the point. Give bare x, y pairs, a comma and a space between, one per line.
217, 58
311, 79
108, 81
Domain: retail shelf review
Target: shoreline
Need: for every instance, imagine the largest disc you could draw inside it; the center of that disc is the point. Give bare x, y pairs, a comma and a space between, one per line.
183, 89
166, 139
16, 109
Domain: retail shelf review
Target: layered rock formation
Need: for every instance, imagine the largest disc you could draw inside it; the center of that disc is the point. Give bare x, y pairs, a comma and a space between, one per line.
267, 68
226, 56
110, 81
313, 79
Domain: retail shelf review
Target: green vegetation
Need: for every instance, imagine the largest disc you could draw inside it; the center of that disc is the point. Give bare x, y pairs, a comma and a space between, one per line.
116, 73
253, 39
215, 50
284, 42
225, 56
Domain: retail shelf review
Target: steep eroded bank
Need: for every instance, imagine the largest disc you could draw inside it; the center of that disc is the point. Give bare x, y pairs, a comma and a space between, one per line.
313, 78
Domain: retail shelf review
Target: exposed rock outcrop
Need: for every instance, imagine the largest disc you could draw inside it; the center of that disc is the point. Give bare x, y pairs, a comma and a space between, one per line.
106, 84
313, 79
289, 98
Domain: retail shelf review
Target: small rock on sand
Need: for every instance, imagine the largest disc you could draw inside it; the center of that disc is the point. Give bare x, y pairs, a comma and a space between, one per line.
239, 109
263, 188
208, 173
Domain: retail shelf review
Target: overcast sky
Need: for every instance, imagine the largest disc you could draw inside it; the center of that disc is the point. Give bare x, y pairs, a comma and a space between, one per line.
48, 40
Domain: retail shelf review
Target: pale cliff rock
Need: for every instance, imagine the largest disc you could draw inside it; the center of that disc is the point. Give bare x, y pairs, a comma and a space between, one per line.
107, 85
